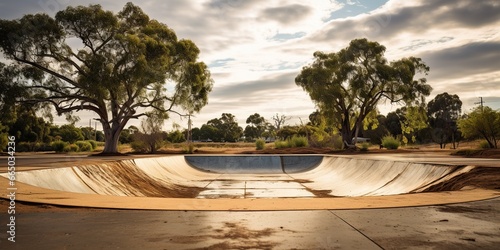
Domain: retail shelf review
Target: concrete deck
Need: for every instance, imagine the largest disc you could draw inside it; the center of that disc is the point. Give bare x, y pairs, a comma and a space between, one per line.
471, 226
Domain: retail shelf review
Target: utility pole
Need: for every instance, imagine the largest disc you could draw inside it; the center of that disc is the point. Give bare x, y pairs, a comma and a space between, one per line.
480, 102
189, 136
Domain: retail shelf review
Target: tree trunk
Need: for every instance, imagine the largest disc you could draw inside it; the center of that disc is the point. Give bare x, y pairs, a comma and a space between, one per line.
111, 143
111, 136
346, 136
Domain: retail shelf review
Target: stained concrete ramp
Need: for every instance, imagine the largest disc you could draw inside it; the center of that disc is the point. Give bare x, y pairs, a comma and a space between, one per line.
248, 176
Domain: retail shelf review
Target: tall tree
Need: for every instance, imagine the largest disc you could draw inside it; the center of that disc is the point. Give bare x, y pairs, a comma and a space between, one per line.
256, 126
393, 121
279, 120
444, 111
350, 83
482, 122
224, 128
115, 65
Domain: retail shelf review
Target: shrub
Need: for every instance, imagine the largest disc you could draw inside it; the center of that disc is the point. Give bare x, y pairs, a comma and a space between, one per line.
281, 144
260, 144
484, 145
84, 146
365, 146
298, 141
23, 147
139, 146
93, 144
189, 149
71, 148
4, 140
390, 142
59, 146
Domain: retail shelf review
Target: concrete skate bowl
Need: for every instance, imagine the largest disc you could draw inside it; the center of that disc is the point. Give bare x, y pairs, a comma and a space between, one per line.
250, 183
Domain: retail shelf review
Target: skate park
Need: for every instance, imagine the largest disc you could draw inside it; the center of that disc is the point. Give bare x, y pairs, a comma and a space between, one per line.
258, 201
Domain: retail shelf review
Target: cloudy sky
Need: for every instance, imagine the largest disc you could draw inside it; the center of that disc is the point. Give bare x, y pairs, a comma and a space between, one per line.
255, 48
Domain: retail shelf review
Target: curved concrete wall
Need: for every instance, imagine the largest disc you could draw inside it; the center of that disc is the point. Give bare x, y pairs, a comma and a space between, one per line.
305, 176
254, 164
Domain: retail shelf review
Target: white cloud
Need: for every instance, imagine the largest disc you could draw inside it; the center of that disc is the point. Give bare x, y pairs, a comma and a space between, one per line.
255, 48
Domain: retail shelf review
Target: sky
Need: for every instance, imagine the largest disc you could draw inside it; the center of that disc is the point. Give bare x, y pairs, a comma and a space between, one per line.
256, 48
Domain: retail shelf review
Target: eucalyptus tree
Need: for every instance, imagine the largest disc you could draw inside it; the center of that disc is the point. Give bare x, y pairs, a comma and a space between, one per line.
120, 66
482, 122
444, 111
351, 83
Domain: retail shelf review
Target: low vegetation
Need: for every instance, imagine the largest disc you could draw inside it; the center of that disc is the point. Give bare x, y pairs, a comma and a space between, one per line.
260, 144
390, 142
294, 142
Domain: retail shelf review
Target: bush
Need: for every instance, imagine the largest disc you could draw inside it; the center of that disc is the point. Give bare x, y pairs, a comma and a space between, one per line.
260, 144
23, 147
84, 146
93, 144
484, 145
365, 146
4, 140
71, 148
189, 149
139, 146
59, 146
390, 142
281, 144
298, 141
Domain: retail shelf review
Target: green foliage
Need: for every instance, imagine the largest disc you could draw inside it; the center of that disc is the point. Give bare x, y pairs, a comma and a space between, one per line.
365, 146
4, 140
84, 146
393, 122
390, 142
87, 58
224, 129
294, 142
415, 120
323, 140
482, 122
281, 144
71, 148
260, 144
93, 144
139, 146
257, 126
349, 84
23, 147
189, 148
150, 136
70, 133
484, 145
298, 142
176, 137
59, 146
30, 128
444, 111
287, 132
